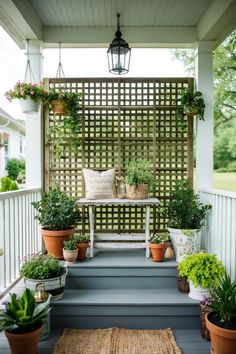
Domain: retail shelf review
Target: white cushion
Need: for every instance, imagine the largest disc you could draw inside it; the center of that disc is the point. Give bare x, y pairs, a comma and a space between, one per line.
99, 185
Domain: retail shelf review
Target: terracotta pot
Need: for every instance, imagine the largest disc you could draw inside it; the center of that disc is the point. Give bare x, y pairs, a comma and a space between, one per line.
24, 343
54, 240
137, 192
70, 256
58, 107
157, 251
82, 247
223, 341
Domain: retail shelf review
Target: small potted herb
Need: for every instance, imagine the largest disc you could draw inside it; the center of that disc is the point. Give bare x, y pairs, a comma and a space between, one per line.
222, 321
29, 95
82, 242
70, 250
139, 178
204, 271
47, 270
186, 216
22, 322
57, 213
158, 245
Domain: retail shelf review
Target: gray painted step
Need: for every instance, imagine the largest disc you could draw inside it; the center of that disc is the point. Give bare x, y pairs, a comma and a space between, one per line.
120, 269
130, 308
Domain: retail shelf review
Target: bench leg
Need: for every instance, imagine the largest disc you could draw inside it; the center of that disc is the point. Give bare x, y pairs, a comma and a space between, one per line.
91, 225
147, 230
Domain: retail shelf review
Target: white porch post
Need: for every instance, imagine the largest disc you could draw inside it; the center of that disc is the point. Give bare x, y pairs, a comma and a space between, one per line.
34, 141
204, 129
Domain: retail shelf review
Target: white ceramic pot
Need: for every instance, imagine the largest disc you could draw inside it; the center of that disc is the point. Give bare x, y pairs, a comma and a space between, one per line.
197, 293
29, 106
70, 256
184, 242
54, 286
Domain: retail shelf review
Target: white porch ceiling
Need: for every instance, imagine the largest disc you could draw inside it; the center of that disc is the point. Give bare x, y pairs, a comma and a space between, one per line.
144, 23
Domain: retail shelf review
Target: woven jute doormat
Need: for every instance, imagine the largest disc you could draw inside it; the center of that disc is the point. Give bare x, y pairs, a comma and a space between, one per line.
117, 341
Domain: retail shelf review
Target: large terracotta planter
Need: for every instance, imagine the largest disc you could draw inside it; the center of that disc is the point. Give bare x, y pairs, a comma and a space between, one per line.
58, 107
70, 256
82, 248
24, 343
223, 341
158, 251
29, 106
54, 240
184, 242
137, 192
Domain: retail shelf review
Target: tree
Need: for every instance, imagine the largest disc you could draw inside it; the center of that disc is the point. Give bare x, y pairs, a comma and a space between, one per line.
224, 64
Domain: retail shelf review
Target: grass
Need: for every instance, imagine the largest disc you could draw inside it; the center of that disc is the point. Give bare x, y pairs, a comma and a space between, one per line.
225, 180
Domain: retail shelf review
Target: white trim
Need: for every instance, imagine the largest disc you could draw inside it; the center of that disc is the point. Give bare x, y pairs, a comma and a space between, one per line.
222, 192
6, 195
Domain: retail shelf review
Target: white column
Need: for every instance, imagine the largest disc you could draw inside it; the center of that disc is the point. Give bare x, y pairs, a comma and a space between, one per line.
33, 122
204, 129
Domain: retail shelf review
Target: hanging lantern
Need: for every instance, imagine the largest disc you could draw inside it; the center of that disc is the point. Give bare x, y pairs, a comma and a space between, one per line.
118, 53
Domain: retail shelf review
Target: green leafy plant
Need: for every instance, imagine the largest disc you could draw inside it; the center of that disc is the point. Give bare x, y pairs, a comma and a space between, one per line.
26, 90
81, 238
191, 102
22, 314
70, 245
8, 185
41, 267
159, 238
202, 269
14, 167
56, 210
139, 171
185, 211
70, 127
223, 300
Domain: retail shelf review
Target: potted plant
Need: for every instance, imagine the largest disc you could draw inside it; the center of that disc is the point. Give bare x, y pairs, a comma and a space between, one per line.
22, 322
158, 245
186, 216
205, 308
57, 213
47, 270
139, 178
64, 102
192, 103
70, 251
29, 95
203, 271
82, 242
222, 321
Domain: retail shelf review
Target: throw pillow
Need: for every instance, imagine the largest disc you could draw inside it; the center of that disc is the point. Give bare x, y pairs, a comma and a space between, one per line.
99, 185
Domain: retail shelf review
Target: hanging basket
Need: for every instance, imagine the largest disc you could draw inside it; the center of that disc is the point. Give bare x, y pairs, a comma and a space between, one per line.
29, 106
59, 107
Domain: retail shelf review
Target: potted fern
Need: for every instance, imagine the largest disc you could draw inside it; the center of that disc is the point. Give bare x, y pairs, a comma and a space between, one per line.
186, 216
57, 213
139, 178
22, 322
204, 271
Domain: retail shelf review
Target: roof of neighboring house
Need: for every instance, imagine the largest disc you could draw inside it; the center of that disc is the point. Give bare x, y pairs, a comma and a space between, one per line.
8, 121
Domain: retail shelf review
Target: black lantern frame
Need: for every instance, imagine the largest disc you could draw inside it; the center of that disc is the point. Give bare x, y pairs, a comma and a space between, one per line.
118, 53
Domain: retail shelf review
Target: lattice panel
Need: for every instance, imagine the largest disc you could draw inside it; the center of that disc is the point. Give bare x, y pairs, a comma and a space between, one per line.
124, 119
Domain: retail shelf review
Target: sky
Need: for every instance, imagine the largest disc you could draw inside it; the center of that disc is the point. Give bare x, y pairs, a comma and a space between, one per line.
79, 62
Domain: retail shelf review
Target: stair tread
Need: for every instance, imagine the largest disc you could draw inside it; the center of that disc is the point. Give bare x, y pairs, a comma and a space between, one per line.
125, 296
122, 259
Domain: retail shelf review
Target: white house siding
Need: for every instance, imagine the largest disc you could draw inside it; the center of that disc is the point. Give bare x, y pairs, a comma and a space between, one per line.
13, 131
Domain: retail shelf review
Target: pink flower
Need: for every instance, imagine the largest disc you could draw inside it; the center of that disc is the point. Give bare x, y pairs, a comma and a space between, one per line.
32, 93
22, 91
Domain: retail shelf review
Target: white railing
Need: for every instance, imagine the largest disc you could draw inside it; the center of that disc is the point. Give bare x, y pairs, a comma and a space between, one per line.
19, 232
219, 235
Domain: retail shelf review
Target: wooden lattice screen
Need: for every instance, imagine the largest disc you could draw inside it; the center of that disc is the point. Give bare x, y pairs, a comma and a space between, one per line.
124, 119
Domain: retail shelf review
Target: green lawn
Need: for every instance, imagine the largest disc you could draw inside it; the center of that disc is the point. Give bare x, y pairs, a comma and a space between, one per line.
225, 180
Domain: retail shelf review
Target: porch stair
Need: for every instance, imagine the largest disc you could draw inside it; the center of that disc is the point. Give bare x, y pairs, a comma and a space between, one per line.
124, 289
